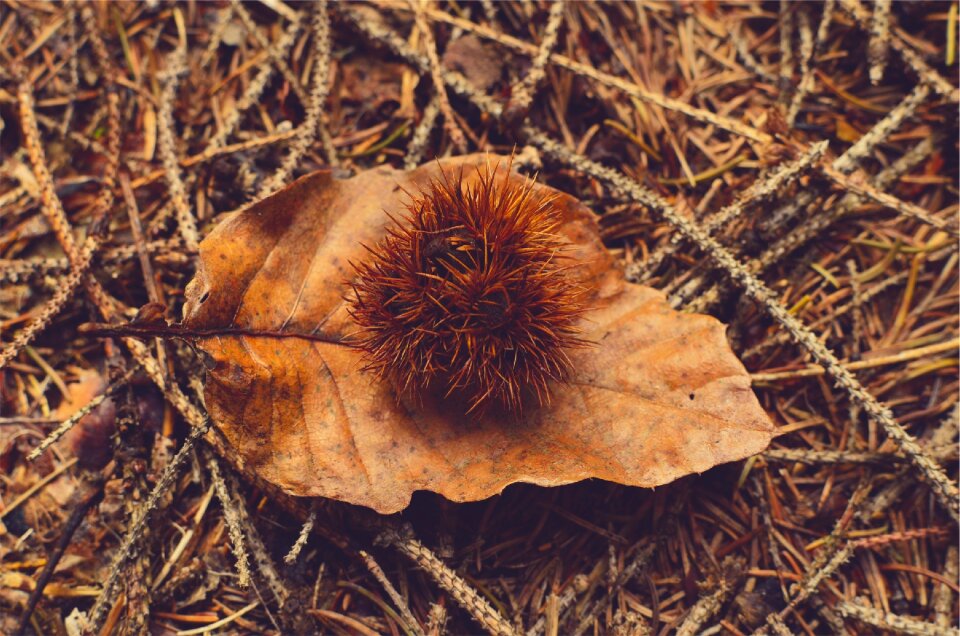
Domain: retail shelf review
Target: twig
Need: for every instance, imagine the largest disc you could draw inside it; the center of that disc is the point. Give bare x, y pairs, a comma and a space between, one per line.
91, 494
699, 114
449, 122
412, 624
758, 191
421, 134
313, 122
265, 565
903, 356
746, 56
302, 538
274, 53
815, 225
69, 423
52, 208
943, 596
704, 609
134, 532
890, 622
224, 17
850, 159
820, 457
806, 67
478, 608
862, 188
912, 59
785, 24
522, 92
37, 487
216, 625
437, 620
879, 40
175, 66
255, 89
232, 517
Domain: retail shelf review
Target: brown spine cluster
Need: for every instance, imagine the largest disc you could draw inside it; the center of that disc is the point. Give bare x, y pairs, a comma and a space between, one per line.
470, 293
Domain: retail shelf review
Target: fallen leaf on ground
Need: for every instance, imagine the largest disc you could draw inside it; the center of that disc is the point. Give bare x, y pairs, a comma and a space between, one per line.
660, 395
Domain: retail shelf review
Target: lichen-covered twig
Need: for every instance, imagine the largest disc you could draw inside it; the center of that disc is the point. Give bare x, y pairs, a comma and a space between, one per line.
436, 74
71, 421
175, 66
412, 624
879, 39
820, 457
862, 188
421, 134
885, 621
708, 605
466, 596
943, 595
232, 517
52, 208
313, 123
522, 92
135, 531
806, 66
785, 23
759, 190
255, 89
926, 74
274, 52
291, 557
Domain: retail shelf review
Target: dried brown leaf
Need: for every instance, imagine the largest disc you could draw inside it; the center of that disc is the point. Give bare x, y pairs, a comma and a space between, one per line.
659, 396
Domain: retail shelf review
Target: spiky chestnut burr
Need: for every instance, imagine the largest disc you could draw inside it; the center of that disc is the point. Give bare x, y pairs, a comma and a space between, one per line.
470, 293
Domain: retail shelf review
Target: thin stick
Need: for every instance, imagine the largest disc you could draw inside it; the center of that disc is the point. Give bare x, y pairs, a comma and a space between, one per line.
885, 621
313, 122
91, 495
254, 90
421, 134
274, 53
71, 421
806, 66
821, 457
478, 608
134, 532
865, 190
879, 40
926, 74
175, 65
232, 517
759, 190
522, 92
708, 605
412, 624
302, 539
37, 487
449, 122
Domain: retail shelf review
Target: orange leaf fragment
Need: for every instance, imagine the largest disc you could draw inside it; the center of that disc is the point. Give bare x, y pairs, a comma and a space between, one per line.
659, 396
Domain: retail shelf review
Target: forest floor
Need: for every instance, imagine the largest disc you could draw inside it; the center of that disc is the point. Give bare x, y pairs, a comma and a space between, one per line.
790, 169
